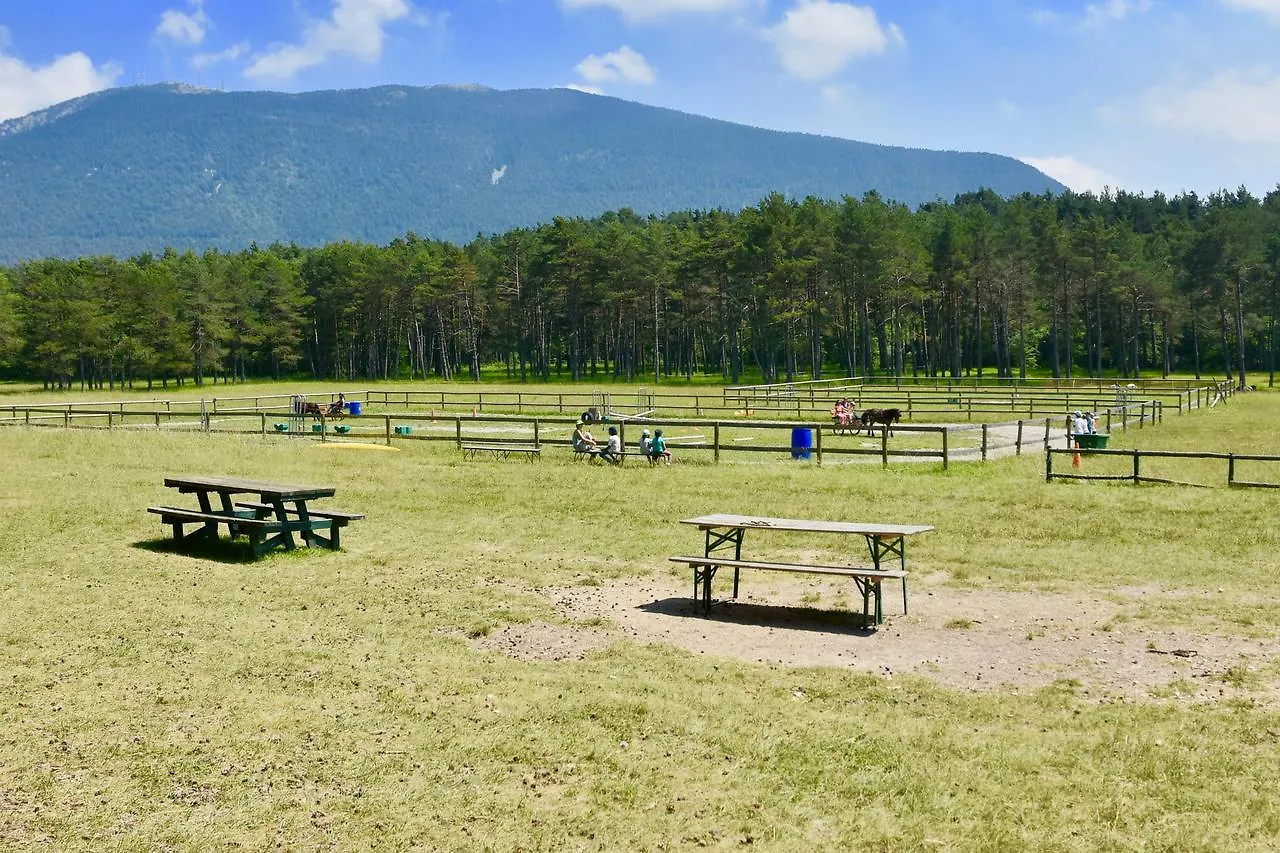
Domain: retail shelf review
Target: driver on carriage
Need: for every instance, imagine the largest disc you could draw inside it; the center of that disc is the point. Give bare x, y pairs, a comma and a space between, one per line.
842, 412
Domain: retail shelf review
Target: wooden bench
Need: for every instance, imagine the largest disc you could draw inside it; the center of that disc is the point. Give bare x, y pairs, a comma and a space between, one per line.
621, 457
178, 517
868, 580
332, 519
500, 450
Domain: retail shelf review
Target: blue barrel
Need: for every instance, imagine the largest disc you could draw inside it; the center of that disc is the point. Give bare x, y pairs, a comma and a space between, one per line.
801, 443
354, 407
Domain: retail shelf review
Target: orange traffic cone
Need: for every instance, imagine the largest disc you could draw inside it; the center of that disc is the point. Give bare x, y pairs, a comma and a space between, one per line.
1075, 457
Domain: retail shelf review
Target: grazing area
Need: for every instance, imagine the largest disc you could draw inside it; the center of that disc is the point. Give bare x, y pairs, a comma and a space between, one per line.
502, 657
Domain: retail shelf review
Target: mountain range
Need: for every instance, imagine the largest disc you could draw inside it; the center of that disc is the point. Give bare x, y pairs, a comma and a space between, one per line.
140, 168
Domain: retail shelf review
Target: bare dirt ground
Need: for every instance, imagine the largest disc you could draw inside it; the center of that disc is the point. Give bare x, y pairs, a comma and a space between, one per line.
972, 639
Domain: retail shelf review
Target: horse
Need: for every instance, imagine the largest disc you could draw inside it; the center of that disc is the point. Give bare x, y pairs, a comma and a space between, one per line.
887, 417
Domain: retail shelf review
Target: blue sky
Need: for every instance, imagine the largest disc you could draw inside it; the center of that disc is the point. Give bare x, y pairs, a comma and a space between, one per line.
1142, 95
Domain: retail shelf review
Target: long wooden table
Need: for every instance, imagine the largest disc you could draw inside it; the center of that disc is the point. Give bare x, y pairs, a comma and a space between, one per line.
725, 534
281, 511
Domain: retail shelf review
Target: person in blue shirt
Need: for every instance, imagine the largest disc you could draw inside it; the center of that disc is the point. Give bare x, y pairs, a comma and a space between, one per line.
659, 448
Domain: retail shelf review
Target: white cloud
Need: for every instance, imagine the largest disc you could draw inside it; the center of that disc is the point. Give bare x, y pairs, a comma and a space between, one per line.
26, 88
184, 27
1097, 14
819, 37
497, 175
1079, 176
355, 28
623, 65
202, 60
1270, 8
1241, 106
648, 10
586, 90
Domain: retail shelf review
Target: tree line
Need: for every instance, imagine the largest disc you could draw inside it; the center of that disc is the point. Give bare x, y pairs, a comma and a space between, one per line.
1070, 285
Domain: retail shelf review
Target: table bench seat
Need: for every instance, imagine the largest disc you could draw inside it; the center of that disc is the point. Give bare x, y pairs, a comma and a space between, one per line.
868, 580
179, 517
333, 519
622, 457
500, 450
342, 518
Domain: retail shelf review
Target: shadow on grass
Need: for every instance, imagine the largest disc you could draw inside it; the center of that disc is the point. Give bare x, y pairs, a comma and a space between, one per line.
219, 550
765, 615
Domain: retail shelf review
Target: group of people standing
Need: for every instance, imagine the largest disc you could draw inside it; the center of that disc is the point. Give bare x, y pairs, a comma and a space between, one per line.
1083, 423
653, 447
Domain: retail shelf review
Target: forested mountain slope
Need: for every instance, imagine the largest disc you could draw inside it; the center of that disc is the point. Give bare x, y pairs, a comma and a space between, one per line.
140, 168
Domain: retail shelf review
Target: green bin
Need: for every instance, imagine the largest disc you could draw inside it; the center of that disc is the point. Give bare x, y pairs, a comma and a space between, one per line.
1091, 440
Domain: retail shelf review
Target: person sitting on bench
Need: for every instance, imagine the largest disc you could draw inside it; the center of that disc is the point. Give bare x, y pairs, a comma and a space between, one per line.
612, 452
658, 450
338, 407
582, 440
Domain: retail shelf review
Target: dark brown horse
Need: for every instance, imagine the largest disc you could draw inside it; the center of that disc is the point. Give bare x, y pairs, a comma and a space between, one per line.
886, 417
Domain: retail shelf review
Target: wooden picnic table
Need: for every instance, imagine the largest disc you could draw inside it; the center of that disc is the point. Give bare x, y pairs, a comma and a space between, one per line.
725, 534
282, 509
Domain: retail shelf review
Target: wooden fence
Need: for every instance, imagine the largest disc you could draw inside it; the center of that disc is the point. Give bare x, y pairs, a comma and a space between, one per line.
1136, 475
713, 437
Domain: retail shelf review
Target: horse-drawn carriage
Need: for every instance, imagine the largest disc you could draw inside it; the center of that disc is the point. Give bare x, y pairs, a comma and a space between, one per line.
306, 409
851, 423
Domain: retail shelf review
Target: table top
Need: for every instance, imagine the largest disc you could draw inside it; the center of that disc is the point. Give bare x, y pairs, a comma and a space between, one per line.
755, 522
238, 485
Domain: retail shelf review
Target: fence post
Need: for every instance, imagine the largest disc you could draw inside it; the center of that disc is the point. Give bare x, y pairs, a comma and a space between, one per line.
715, 442
884, 445
818, 443
457, 429
984, 442
157, 421
1048, 464
1017, 445
945, 433
536, 439
109, 417
560, 404
1108, 419
1136, 456
387, 426
1046, 432
263, 415
1231, 468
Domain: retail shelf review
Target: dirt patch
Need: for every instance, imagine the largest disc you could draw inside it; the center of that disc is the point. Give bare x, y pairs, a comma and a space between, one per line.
972, 639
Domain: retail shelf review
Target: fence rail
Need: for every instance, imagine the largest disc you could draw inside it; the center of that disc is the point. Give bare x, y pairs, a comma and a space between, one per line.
944, 443
1136, 476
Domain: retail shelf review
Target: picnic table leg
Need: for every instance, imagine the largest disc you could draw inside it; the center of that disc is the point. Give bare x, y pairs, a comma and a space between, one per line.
717, 539
891, 545
209, 528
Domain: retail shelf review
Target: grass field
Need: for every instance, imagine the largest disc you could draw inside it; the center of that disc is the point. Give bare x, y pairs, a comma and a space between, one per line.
151, 699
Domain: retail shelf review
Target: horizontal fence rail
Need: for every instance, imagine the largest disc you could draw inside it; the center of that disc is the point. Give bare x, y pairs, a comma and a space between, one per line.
1135, 474
274, 414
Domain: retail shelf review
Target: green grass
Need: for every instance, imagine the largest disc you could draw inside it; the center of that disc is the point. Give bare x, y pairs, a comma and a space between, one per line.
154, 700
